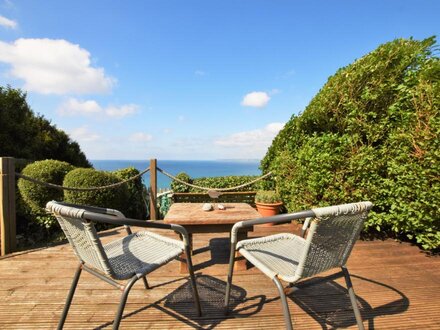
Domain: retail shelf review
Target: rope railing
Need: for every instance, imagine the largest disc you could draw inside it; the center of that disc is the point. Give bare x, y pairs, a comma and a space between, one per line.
213, 189
55, 186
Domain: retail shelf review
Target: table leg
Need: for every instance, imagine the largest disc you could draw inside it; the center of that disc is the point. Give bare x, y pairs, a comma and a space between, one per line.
183, 266
240, 261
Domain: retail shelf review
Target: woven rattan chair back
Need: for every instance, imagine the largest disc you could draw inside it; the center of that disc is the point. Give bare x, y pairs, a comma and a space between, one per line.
332, 236
83, 237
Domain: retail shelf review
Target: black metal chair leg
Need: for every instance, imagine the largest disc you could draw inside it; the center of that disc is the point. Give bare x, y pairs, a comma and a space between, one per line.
70, 297
121, 306
286, 311
145, 282
193, 281
353, 299
229, 280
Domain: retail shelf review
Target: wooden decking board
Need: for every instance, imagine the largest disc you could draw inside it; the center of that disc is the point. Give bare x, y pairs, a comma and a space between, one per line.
397, 284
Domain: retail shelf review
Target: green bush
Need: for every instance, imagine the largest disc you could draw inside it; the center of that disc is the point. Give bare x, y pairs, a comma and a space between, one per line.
218, 182
267, 197
371, 133
227, 182
176, 186
36, 196
113, 198
137, 194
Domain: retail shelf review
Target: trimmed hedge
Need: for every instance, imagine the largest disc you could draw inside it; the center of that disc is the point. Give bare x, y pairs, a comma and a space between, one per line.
215, 182
137, 195
113, 198
36, 196
371, 133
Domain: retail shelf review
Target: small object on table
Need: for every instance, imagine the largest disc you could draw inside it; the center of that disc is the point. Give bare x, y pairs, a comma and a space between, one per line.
207, 207
221, 207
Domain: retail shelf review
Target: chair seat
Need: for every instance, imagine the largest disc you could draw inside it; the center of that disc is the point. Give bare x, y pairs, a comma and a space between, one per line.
140, 253
275, 255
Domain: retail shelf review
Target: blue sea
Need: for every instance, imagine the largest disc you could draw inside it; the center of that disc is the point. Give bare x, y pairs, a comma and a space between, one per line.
194, 168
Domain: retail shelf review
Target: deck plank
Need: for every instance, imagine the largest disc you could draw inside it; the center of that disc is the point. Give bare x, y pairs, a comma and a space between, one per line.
397, 284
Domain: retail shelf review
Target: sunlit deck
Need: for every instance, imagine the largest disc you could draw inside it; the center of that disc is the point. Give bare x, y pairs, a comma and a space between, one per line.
397, 285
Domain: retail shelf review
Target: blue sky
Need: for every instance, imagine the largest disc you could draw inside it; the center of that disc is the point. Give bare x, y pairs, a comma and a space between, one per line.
188, 79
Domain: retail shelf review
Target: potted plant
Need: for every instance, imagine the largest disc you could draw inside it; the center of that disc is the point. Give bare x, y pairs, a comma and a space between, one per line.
268, 202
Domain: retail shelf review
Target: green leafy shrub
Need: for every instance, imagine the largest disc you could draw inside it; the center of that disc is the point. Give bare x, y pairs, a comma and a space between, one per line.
267, 197
371, 133
176, 186
227, 182
113, 198
136, 207
36, 196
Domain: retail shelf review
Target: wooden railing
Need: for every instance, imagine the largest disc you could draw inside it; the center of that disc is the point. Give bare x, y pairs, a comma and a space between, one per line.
7, 205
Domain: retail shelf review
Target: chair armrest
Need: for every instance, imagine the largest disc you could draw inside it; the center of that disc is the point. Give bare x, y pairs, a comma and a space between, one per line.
95, 209
275, 218
305, 226
122, 221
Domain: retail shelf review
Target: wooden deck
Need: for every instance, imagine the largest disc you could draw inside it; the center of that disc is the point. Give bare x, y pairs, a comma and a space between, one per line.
398, 287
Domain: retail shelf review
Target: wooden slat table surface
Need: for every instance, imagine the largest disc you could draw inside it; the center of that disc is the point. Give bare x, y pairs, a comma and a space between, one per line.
193, 214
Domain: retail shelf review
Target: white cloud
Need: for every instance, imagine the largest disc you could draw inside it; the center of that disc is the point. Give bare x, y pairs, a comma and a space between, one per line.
258, 138
200, 73
7, 23
121, 111
83, 134
140, 137
51, 66
75, 107
255, 99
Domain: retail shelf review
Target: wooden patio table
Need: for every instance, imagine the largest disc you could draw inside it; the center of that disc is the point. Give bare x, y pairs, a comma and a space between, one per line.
195, 220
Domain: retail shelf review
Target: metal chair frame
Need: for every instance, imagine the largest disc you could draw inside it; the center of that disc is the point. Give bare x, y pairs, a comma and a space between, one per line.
312, 220
110, 216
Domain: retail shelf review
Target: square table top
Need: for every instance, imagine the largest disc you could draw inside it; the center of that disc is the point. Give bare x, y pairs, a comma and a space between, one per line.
193, 214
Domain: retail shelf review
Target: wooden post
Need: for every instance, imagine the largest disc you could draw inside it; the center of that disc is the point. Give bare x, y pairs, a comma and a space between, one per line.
7, 205
153, 189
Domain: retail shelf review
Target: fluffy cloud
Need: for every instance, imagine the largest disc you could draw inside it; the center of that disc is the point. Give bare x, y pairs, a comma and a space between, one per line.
140, 137
121, 111
51, 66
255, 99
83, 134
258, 138
74, 107
7, 23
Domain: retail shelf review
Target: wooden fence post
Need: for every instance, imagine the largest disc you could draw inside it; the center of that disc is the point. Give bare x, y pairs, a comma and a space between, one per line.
153, 189
7, 205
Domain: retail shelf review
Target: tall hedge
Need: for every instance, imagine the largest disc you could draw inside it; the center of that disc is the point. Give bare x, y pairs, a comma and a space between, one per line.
371, 133
113, 198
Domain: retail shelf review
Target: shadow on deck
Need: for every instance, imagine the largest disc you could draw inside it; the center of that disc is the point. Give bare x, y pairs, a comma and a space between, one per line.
398, 287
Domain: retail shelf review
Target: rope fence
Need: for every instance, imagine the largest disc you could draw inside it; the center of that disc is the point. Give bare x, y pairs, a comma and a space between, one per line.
55, 186
214, 189
113, 185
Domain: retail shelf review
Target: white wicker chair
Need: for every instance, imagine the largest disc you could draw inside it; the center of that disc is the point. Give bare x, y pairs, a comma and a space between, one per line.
331, 234
129, 258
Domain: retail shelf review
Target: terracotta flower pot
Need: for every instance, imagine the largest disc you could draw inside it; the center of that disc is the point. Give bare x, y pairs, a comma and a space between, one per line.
268, 210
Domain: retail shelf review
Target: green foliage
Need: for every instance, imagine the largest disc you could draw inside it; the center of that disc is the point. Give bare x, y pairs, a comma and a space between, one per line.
113, 198
227, 182
371, 133
136, 207
36, 196
32, 198
218, 182
26, 135
180, 187
267, 197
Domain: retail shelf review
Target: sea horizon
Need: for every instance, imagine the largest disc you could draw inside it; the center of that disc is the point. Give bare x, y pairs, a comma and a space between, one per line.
194, 168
